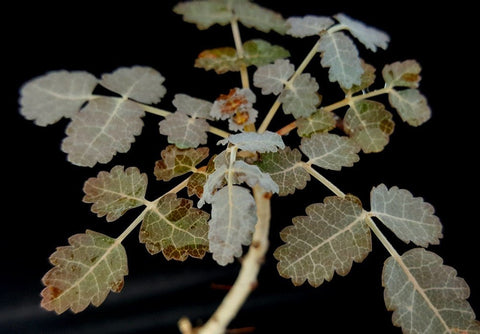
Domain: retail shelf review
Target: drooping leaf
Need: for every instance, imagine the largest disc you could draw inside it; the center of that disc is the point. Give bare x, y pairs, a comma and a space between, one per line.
175, 228
427, 296
48, 98
84, 272
341, 56
252, 15
192, 106
330, 151
410, 218
327, 240
301, 98
255, 142
368, 36
176, 162
309, 25
319, 121
115, 192
256, 52
402, 74
284, 168
232, 223
204, 13
140, 83
103, 128
411, 105
369, 125
252, 175
184, 131
272, 78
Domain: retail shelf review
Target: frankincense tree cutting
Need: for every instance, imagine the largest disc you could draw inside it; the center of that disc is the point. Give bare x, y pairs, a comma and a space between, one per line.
252, 166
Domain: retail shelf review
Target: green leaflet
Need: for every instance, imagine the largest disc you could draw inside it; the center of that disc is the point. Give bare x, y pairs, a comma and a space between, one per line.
209, 12
85, 272
256, 52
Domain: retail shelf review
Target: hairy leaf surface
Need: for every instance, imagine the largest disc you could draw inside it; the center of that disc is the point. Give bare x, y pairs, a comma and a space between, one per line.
184, 131
402, 74
368, 36
272, 78
232, 224
369, 125
410, 218
319, 121
115, 192
341, 56
411, 105
140, 83
103, 128
427, 296
175, 228
48, 98
309, 25
252, 175
330, 151
255, 142
256, 52
192, 106
252, 15
204, 13
284, 167
176, 162
327, 240
84, 272
366, 80
301, 98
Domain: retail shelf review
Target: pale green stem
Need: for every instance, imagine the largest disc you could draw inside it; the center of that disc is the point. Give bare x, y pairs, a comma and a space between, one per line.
149, 205
240, 52
383, 239
276, 105
333, 188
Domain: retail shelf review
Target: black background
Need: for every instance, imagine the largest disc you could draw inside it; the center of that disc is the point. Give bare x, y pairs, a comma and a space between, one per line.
42, 192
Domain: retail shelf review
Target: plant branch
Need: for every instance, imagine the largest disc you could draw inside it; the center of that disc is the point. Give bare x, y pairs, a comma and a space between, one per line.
247, 278
240, 53
348, 100
333, 188
273, 110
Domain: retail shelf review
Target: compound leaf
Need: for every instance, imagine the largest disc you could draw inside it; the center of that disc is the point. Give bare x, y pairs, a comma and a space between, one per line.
184, 131
204, 13
48, 98
176, 162
410, 218
319, 121
341, 56
285, 169
301, 98
402, 74
330, 151
369, 125
368, 36
85, 272
232, 223
175, 228
327, 240
272, 78
140, 83
411, 105
103, 128
115, 192
309, 25
255, 142
427, 296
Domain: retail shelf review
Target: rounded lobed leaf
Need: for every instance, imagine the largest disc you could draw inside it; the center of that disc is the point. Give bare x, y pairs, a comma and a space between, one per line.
115, 192
85, 272
48, 98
